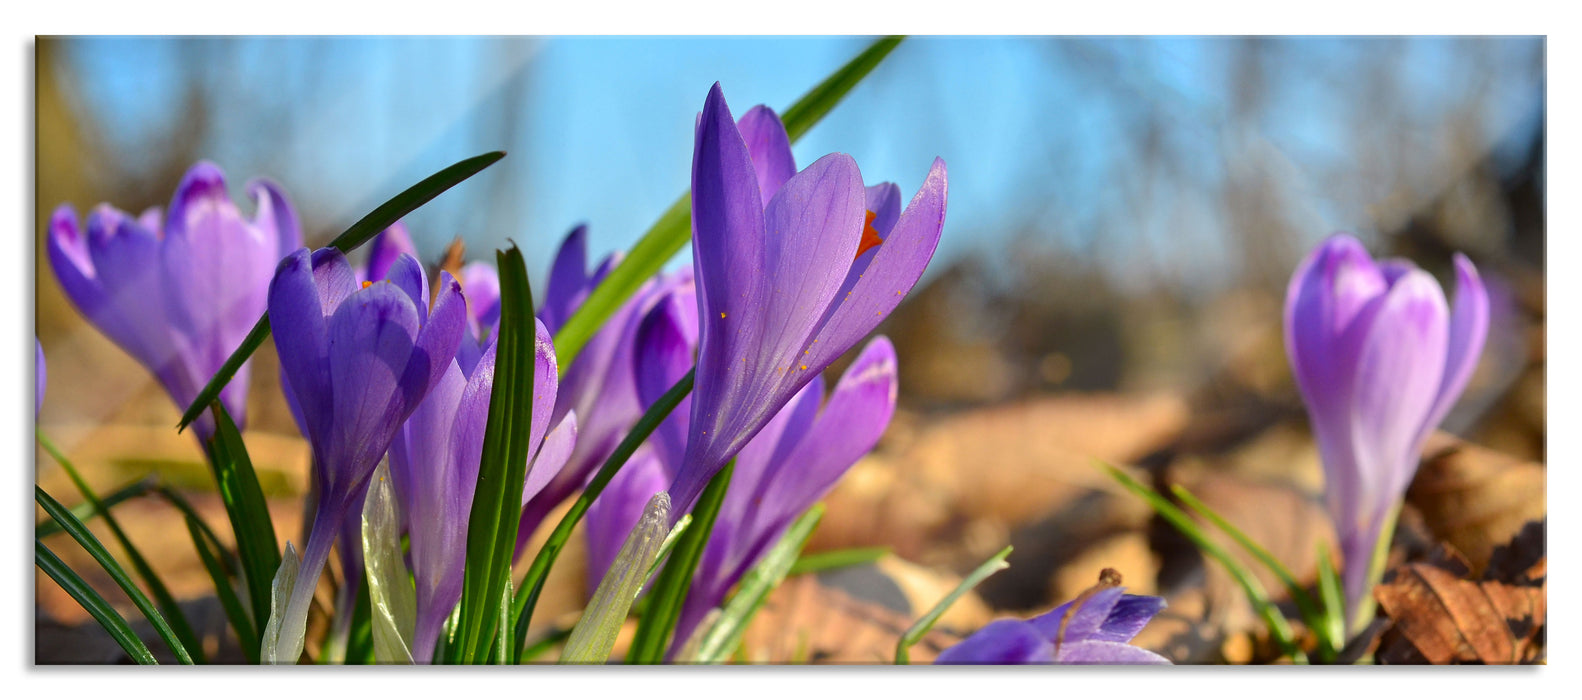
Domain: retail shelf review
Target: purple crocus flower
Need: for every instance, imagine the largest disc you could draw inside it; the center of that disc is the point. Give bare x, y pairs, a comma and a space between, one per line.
383, 251
792, 271
178, 294
1095, 628
794, 461
357, 360
1380, 358
434, 466
599, 387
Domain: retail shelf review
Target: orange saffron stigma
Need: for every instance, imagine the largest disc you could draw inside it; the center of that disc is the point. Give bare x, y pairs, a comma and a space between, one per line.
367, 285
870, 236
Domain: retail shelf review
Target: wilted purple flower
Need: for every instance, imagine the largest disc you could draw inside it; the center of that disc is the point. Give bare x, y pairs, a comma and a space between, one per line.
357, 361
434, 464
38, 378
792, 271
1096, 632
783, 471
1379, 359
179, 295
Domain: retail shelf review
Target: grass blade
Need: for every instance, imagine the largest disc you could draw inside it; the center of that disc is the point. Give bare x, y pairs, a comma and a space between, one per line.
670, 590
156, 587
914, 634
836, 559
80, 532
86, 512
367, 227
726, 633
249, 513
94, 603
497, 503
533, 582
669, 544
1278, 627
235, 612
1305, 602
674, 228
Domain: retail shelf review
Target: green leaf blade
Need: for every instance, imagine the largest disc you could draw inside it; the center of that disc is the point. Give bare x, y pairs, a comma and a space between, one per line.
497, 502
94, 603
914, 634
726, 634
251, 523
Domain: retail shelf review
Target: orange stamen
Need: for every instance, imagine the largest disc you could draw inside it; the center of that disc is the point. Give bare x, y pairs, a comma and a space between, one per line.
870, 236
367, 285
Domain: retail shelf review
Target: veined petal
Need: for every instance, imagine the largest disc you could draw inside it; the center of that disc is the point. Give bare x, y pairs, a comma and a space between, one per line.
1130, 614
1108, 654
275, 216
480, 283
663, 354
1081, 625
407, 273
611, 516
770, 149
301, 333
371, 342
440, 336
1000, 642
1399, 372
884, 200
552, 456
894, 270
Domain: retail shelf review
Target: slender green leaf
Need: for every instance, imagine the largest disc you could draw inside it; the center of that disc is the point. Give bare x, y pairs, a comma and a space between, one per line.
86, 512
503, 652
725, 634
836, 559
94, 603
601, 620
670, 590
241, 621
232, 565
1332, 630
249, 513
533, 582
279, 597
914, 634
367, 227
156, 587
497, 503
79, 532
1278, 627
1363, 615
393, 603
674, 228
1304, 602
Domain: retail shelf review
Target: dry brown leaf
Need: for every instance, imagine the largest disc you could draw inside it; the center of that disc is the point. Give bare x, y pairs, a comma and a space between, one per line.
1440, 615
1475, 498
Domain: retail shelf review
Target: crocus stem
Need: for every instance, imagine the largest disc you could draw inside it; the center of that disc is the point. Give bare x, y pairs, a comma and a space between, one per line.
293, 628
1361, 599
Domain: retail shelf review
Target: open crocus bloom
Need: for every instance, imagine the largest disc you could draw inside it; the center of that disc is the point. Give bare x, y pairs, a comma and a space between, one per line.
791, 463
1380, 358
357, 361
1097, 631
792, 270
178, 294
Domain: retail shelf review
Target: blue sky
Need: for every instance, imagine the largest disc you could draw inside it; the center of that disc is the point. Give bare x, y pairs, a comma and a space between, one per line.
1041, 135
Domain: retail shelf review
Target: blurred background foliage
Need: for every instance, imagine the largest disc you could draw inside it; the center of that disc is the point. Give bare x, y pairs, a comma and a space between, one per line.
1125, 214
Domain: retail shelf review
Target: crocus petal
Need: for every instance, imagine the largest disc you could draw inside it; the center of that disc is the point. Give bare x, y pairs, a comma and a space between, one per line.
1000, 642
371, 340
568, 279
552, 456
895, 269
1469, 327
1082, 624
480, 283
1108, 654
663, 354
301, 333
1398, 376
275, 215
770, 149
1130, 614
436, 345
406, 273
384, 250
